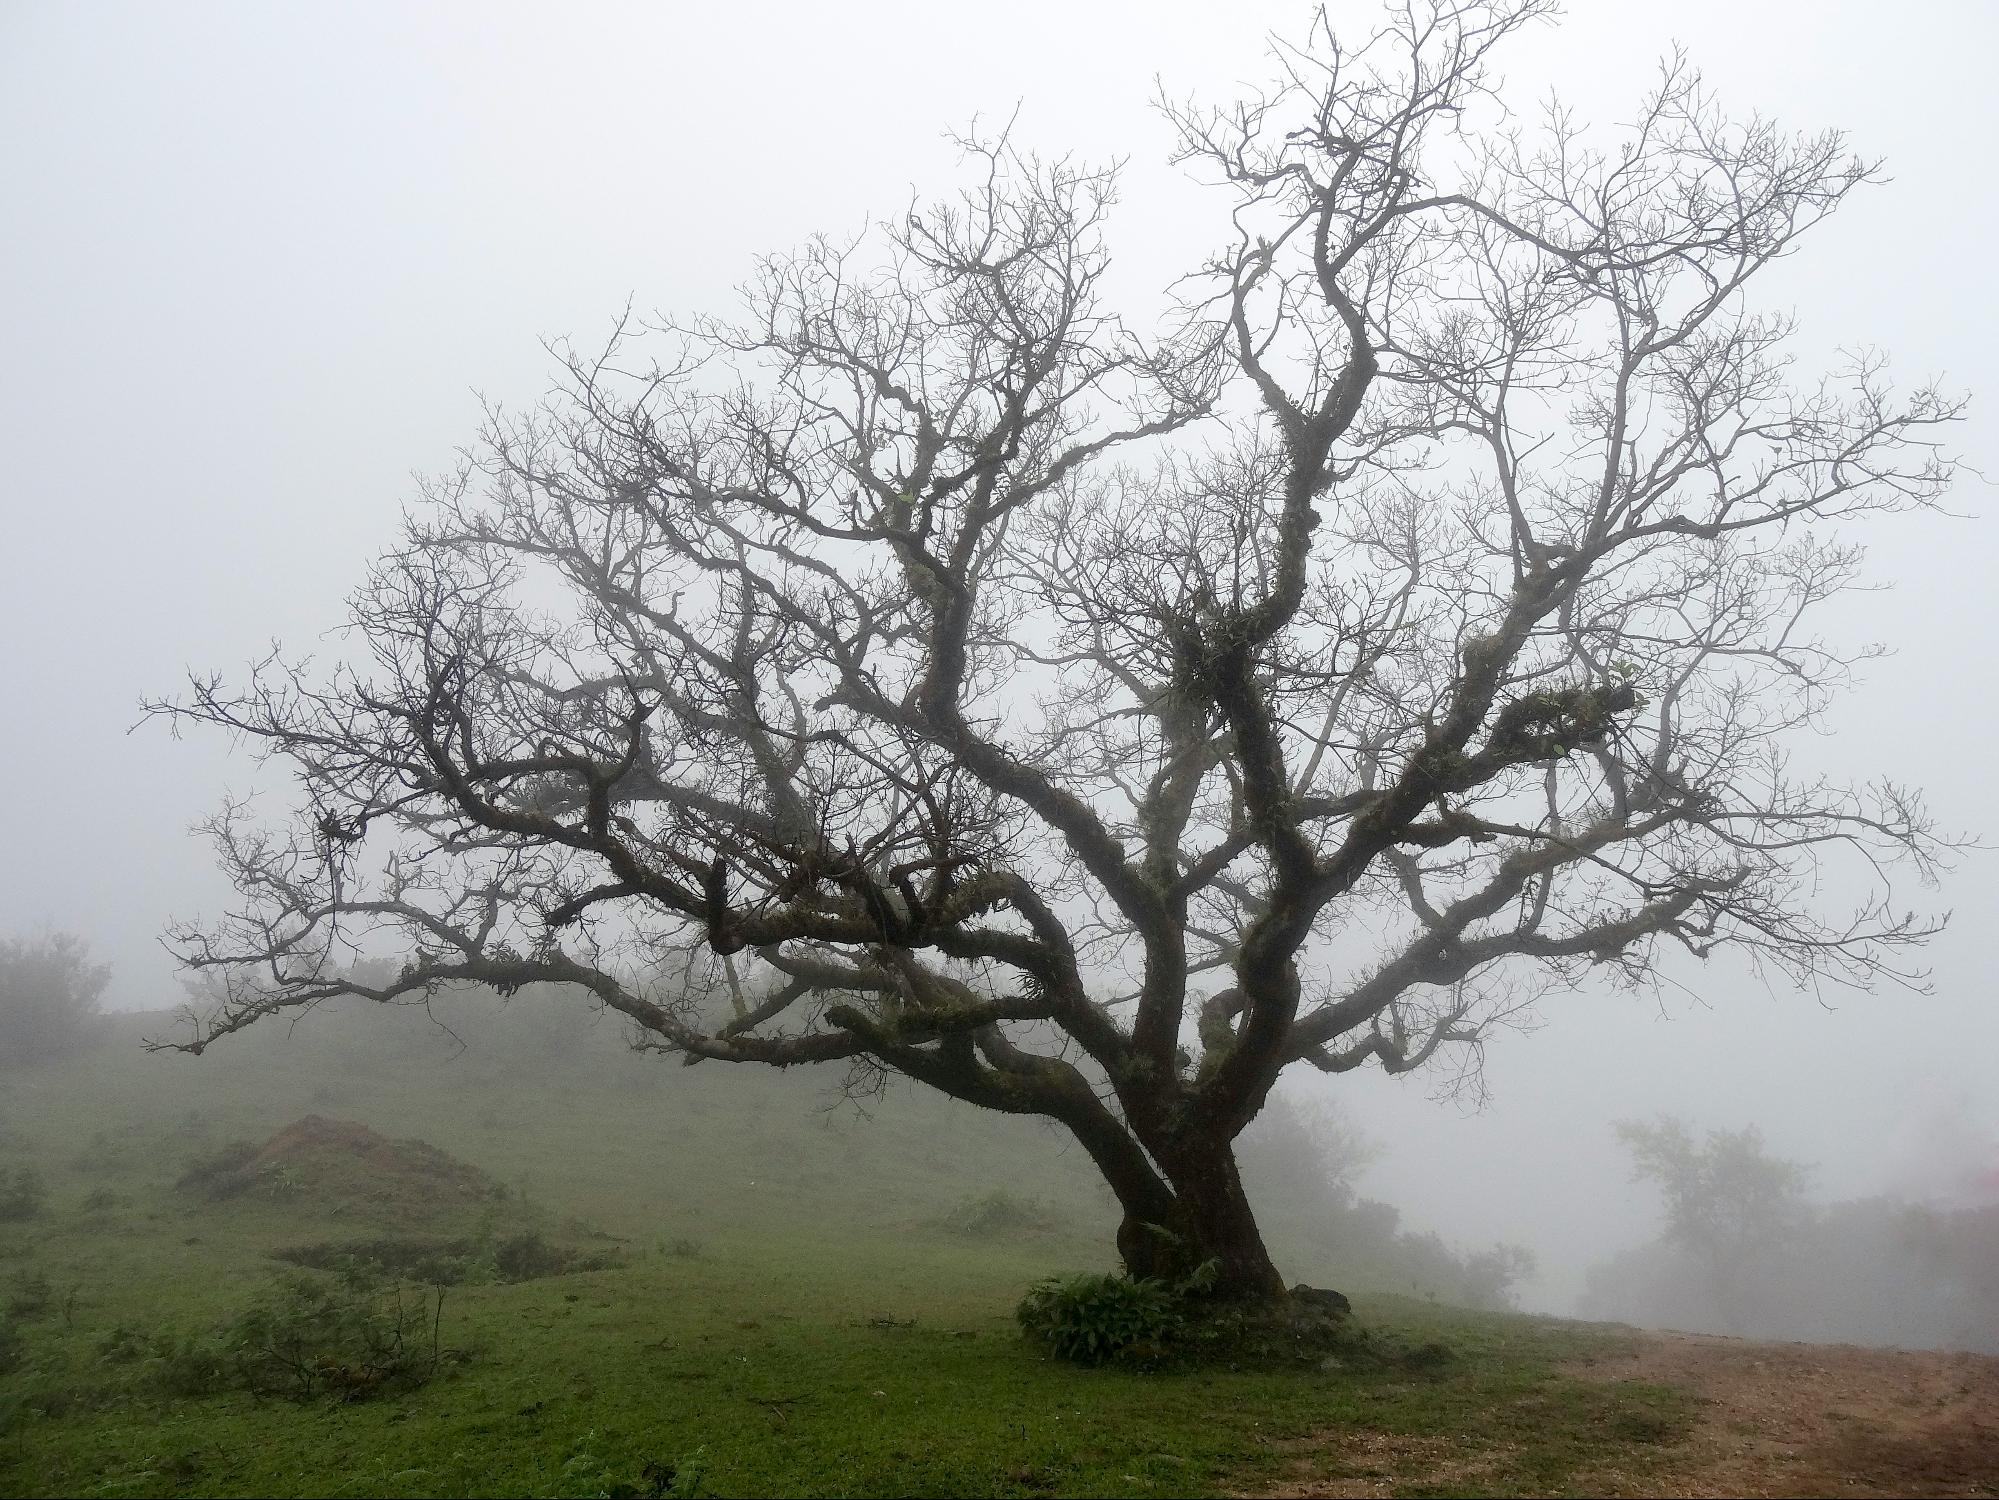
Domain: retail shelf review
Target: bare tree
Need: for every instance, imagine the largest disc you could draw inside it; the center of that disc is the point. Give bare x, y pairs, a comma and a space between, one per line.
929, 672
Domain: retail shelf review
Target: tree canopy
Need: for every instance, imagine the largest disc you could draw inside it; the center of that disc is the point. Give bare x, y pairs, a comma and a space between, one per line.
931, 671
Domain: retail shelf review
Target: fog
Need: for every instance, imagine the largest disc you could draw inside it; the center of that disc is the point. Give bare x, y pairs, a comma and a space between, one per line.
262, 263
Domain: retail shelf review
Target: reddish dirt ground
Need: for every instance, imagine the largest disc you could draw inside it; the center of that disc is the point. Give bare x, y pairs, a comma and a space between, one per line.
1817, 1419
1773, 1420
340, 1148
337, 1165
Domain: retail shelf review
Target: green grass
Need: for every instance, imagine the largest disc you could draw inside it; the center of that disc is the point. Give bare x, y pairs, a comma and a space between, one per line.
834, 1334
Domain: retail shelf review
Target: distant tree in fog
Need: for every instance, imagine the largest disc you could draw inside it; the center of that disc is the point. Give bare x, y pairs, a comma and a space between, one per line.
1742, 1252
934, 674
49, 995
1310, 1153
1728, 1201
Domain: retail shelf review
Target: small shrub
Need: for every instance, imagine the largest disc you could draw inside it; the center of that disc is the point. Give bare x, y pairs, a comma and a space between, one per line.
49, 995
997, 1214
22, 1194
124, 1344
309, 1339
220, 1174
1090, 1319
681, 1248
30, 1296
101, 1201
313, 1340
528, 1257
187, 1365
10, 1344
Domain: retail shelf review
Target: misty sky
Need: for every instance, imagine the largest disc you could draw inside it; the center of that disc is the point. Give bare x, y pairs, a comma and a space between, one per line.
258, 259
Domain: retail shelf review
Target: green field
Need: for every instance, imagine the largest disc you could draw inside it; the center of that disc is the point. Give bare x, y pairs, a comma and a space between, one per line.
796, 1295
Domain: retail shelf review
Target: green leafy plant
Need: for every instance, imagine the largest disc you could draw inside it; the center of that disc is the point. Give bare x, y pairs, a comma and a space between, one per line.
1089, 1319
589, 1471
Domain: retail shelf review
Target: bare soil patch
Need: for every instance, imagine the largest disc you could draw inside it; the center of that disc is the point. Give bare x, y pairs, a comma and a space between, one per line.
1815, 1419
1769, 1420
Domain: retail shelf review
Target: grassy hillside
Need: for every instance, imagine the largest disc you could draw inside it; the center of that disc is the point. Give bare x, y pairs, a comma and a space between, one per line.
789, 1296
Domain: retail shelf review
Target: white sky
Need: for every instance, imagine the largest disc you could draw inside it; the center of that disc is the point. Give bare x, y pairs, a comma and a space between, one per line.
256, 258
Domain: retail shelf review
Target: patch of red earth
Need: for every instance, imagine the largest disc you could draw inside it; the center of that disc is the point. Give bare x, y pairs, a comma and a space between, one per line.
339, 1154
1773, 1420
1815, 1419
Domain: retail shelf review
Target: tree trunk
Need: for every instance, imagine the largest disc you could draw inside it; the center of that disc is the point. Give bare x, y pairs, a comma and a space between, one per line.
1209, 1220
1196, 1213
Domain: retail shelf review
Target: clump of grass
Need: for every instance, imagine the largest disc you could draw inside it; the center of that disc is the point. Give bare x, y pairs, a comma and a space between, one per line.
101, 1201
22, 1194
220, 1174
30, 1295
589, 1469
524, 1256
123, 1344
109, 1153
189, 1365
999, 1213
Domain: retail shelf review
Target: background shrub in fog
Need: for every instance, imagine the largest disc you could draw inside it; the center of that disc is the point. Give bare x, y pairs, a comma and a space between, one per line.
49, 997
1743, 1251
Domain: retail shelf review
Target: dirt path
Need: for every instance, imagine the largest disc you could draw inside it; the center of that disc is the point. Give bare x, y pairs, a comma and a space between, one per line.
1816, 1419
1772, 1420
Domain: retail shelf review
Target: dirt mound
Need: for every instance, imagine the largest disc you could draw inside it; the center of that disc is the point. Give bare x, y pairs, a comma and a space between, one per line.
338, 1165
